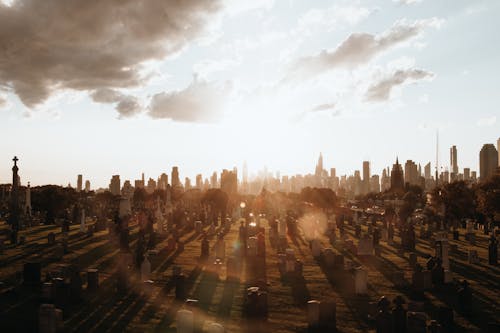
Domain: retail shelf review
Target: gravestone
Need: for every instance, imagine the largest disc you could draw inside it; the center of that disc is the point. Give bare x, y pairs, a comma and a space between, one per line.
205, 248
360, 281
365, 246
185, 321
329, 257
416, 322
290, 261
282, 228
92, 279
473, 258
220, 249
51, 238
412, 259
316, 248
493, 250
49, 319
32, 273
313, 312
252, 246
198, 226
215, 328
180, 287
145, 269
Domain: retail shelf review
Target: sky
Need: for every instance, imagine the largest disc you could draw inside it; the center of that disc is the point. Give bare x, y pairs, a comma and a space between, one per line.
123, 87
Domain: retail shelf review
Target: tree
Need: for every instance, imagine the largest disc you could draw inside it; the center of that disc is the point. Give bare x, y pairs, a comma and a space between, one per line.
457, 199
488, 197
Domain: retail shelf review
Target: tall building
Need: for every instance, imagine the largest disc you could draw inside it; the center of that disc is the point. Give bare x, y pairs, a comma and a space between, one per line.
213, 180
229, 182
411, 175
453, 160
87, 186
366, 176
151, 185
187, 183
199, 181
114, 185
488, 161
163, 181
175, 181
427, 171
375, 184
466, 174
498, 149
397, 178
79, 183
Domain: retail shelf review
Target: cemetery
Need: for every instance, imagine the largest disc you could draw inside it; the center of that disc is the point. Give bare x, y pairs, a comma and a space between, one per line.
247, 274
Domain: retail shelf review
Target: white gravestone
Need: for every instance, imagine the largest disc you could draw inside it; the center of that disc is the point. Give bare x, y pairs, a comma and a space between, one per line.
185, 320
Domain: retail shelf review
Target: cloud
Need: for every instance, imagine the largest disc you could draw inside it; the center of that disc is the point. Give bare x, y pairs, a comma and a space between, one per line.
3, 102
323, 107
201, 101
359, 48
488, 121
381, 90
407, 2
126, 105
330, 18
52, 45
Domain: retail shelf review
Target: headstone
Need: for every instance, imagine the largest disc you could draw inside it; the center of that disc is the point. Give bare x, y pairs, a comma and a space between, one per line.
215, 328
205, 248
493, 251
220, 249
427, 279
198, 226
49, 319
83, 227
445, 318
473, 257
185, 321
92, 279
313, 312
282, 228
360, 281
329, 257
412, 259
48, 292
180, 287
51, 238
32, 273
316, 248
441, 251
145, 269
365, 246
252, 246
416, 322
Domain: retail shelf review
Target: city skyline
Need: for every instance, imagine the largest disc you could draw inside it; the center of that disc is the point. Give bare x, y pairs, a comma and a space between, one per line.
271, 83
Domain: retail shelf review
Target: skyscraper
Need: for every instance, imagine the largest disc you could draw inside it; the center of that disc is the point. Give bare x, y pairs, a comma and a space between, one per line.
87, 186
498, 149
229, 182
411, 173
397, 178
366, 176
114, 185
453, 160
427, 171
488, 161
79, 183
175, 181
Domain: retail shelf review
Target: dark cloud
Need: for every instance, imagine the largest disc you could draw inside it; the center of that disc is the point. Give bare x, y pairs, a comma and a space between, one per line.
381, 90
128, 106
106, 95
87, 45
358, 49
201, 101
323, 107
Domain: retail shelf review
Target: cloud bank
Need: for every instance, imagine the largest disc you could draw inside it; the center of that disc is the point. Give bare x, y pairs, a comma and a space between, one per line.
51, 45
